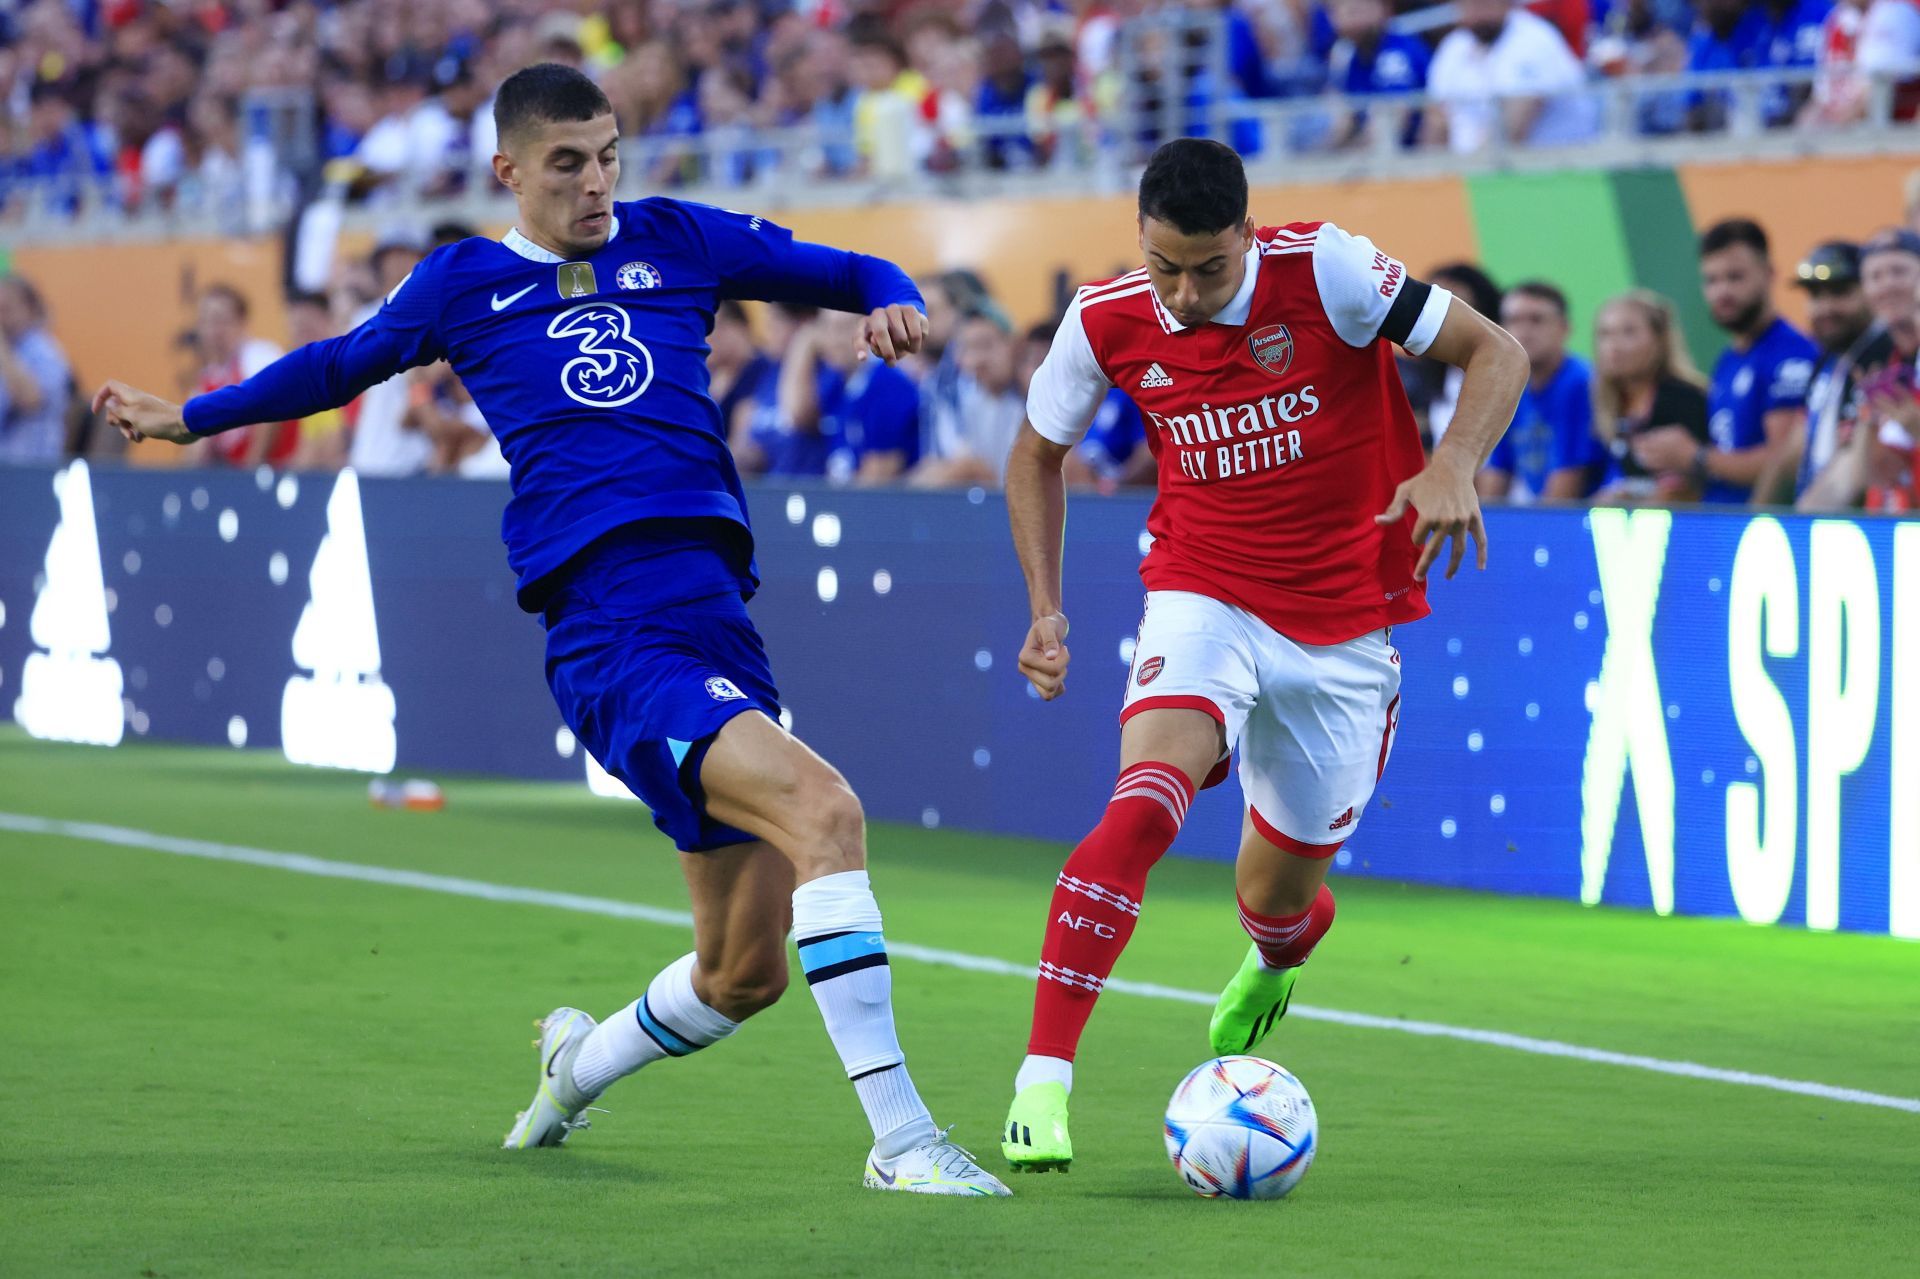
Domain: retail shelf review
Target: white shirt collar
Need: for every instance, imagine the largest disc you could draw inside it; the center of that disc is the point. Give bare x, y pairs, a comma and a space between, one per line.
534, 253
1234, 312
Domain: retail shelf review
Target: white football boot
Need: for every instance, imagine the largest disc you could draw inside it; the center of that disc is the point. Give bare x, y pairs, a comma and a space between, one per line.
557, 1104
937, 1166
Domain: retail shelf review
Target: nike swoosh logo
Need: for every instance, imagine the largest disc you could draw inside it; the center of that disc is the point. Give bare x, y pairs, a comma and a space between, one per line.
501, 304
550, 1061
887, 1177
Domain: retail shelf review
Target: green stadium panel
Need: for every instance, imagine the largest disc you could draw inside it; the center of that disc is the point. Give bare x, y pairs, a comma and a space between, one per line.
1566, 227
1660, 235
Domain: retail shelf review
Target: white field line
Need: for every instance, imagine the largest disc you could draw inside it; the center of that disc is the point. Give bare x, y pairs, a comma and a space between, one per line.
301, 863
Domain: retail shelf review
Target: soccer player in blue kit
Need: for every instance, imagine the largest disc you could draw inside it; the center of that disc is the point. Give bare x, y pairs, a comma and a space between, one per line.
582, 338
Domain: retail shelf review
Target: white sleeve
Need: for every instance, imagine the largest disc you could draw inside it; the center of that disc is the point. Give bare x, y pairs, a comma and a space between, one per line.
256, 354
1365, 293
1889, 41
1446, 74
1544, 63
1069, 384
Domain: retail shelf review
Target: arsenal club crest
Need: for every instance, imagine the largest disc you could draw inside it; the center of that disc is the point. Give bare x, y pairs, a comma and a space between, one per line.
1272, 349
1150, 670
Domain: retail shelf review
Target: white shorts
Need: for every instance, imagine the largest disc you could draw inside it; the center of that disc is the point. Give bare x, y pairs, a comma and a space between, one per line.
1313, 723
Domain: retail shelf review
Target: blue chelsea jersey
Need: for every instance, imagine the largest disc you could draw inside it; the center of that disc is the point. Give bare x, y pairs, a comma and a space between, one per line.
591, 371
1773, 373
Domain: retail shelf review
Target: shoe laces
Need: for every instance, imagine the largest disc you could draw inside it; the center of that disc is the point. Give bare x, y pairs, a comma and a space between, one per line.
579, 1121
949, 1156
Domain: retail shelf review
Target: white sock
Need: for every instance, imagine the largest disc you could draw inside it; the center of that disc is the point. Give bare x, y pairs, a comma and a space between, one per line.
837, 925
668, 1021
1044, 1070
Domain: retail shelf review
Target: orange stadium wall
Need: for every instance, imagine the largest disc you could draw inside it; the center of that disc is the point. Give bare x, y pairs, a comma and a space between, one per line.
1593, 232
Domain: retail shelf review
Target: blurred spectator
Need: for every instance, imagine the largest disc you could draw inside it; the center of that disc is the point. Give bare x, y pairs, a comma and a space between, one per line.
886, 103
1758, 396
1057, 111
1851, 341
971, 446
1642, 37
860, 417
416, 147
62, 159
950, 297
1865, 466
1550, 453
229, 354
388, 438
1508, 74
324, 436
1433, 386
1002, 102
1738, 35
767, 441
1371, 60
1728, 35
1861, 40
36, 384
446, 415
735, 366
870, 414
1643, 381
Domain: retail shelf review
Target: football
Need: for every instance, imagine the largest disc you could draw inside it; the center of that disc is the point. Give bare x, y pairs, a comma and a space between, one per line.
1241, 1128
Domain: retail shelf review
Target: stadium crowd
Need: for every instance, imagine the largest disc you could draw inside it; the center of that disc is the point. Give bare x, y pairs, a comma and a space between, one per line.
148, 101
1827, 420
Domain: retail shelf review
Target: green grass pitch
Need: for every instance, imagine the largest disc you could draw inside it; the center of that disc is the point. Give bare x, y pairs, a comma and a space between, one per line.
220, 1069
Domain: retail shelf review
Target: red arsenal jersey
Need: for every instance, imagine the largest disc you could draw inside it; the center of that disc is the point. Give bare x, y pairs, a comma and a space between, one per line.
1280, 427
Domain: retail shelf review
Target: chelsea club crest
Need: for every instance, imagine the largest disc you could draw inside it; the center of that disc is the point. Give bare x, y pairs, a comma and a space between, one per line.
638, 275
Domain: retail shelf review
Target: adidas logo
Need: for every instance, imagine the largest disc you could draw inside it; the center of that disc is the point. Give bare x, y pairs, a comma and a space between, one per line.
1156, 376
1343, 821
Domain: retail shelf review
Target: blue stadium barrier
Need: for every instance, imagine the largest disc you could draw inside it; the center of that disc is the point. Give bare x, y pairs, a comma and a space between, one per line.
1706, 713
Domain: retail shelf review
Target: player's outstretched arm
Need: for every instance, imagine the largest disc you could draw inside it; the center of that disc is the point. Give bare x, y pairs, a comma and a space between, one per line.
1442, 496
759, 260
1037, 509
140, 415
402, 334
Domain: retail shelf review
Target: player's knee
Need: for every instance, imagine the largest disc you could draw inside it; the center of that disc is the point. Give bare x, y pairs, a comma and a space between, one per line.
749, 984
1277, 894
833, 828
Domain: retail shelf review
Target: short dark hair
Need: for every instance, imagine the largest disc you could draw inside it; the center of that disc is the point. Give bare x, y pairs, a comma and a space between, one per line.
1541, 291
1196, 186
986, 310
1482, 294
1732, 231
306, 297
545, 93
36, 305
235, 298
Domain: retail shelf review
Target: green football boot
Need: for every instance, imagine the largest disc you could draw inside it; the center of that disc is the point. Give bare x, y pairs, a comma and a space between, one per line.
1036, 1136
1251, 1006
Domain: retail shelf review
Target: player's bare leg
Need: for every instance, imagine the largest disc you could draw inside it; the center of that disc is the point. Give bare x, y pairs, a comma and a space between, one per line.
1286, 907
1166, 754
761, 779
741, 911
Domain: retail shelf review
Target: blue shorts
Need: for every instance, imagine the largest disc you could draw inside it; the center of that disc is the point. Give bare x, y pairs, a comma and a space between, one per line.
645, 687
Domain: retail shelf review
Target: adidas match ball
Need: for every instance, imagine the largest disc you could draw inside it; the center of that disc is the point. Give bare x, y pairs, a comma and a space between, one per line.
1241, 1128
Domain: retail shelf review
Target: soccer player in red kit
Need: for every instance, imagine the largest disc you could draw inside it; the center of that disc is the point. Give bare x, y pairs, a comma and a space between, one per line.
1294, 526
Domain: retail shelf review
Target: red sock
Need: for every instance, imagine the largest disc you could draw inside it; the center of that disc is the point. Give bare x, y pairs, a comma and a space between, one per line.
1285, 941
1097, 901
